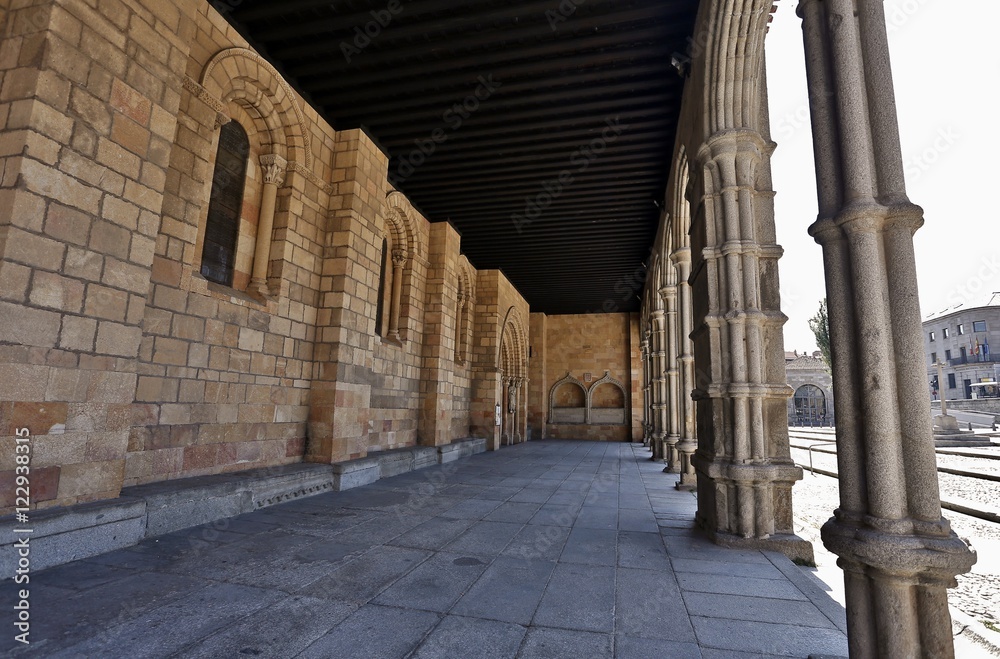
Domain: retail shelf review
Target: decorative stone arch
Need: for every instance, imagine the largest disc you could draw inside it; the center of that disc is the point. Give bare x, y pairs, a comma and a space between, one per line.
239, 78
513, 334
607, 415
241, 75
464, 313
512, 364
810, 406
569, 414
403, 244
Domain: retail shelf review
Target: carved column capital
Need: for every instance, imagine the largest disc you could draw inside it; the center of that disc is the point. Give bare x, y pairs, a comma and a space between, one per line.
273, 167
398, 258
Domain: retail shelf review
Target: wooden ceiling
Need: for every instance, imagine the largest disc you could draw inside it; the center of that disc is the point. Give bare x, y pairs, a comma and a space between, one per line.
546, 127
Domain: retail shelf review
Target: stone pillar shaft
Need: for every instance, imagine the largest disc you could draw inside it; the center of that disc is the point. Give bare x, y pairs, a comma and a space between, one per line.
644, 349
688, 443
398, 261
743, 461
898, 553
657, 374
669, 296
273, 168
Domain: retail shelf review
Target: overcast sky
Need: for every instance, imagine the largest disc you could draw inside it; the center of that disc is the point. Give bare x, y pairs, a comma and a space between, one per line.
945, 63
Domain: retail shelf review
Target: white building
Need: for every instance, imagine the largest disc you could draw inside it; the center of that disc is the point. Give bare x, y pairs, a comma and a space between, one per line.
965, 338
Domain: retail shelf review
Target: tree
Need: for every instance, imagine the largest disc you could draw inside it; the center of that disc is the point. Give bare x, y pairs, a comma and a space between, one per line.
820, 326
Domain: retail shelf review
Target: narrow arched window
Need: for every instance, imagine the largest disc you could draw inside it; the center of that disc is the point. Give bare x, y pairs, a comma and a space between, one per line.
382, 279
224, 206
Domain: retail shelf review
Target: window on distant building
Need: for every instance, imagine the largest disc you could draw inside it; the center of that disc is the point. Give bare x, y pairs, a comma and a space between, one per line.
947, 355
933, 358
219, 252
944, 333
961, 328
951, 380
933, 337
979, 326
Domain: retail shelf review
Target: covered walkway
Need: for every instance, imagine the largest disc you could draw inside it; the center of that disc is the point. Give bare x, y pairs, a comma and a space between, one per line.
543, 549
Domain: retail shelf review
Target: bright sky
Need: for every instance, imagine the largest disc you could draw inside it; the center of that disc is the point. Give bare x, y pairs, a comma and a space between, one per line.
945, 63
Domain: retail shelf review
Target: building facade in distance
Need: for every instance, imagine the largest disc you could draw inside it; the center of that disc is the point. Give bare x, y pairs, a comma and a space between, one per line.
963, 338
811, 403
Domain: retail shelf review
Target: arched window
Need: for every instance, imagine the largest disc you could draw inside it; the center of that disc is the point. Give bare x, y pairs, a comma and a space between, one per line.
810, 405
383, 280
219, 252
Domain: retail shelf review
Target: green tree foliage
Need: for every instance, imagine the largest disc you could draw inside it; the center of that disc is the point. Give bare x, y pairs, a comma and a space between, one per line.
820, 326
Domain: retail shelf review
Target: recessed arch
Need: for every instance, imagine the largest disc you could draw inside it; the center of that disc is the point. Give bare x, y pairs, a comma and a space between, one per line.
241, 75
568, 401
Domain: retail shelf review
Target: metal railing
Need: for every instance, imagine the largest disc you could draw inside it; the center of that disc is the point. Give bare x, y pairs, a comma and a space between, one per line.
974, 359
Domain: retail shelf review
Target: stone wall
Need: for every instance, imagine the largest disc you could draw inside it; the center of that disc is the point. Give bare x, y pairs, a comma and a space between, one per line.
575, 346
127, 365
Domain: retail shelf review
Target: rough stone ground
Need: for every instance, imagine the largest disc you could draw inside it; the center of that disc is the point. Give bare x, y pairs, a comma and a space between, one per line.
978, 592
544, 549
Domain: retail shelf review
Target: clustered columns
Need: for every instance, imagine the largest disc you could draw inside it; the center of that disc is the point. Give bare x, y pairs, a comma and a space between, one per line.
273, 169
744, 464
898, 553
646, 394
688, 442
672, 407
398, 261
658, 385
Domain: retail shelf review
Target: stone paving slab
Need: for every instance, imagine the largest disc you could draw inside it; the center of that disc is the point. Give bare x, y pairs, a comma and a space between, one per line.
543, 549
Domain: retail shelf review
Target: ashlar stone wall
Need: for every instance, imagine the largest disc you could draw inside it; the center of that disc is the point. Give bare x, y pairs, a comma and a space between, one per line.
125, 363
578, 345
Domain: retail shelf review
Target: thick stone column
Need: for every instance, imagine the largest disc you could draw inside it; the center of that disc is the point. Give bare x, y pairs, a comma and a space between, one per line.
644, 351
656, 348
744, 466
688, 443
670, 457
898, 553
273, 169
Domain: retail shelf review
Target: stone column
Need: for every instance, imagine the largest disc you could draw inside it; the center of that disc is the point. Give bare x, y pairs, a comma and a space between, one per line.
688, 443
398, 261
273, 168
519, 388
898, 553
669, 296
644, 351
744, 465
659, 403
460, 329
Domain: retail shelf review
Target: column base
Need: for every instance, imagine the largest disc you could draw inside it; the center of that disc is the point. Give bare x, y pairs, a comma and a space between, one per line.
258, 289
798, 550
687, 483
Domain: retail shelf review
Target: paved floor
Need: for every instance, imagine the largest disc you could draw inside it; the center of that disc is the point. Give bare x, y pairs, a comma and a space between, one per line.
544, 549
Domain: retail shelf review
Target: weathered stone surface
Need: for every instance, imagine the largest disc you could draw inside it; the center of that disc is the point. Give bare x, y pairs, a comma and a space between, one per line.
355, 473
